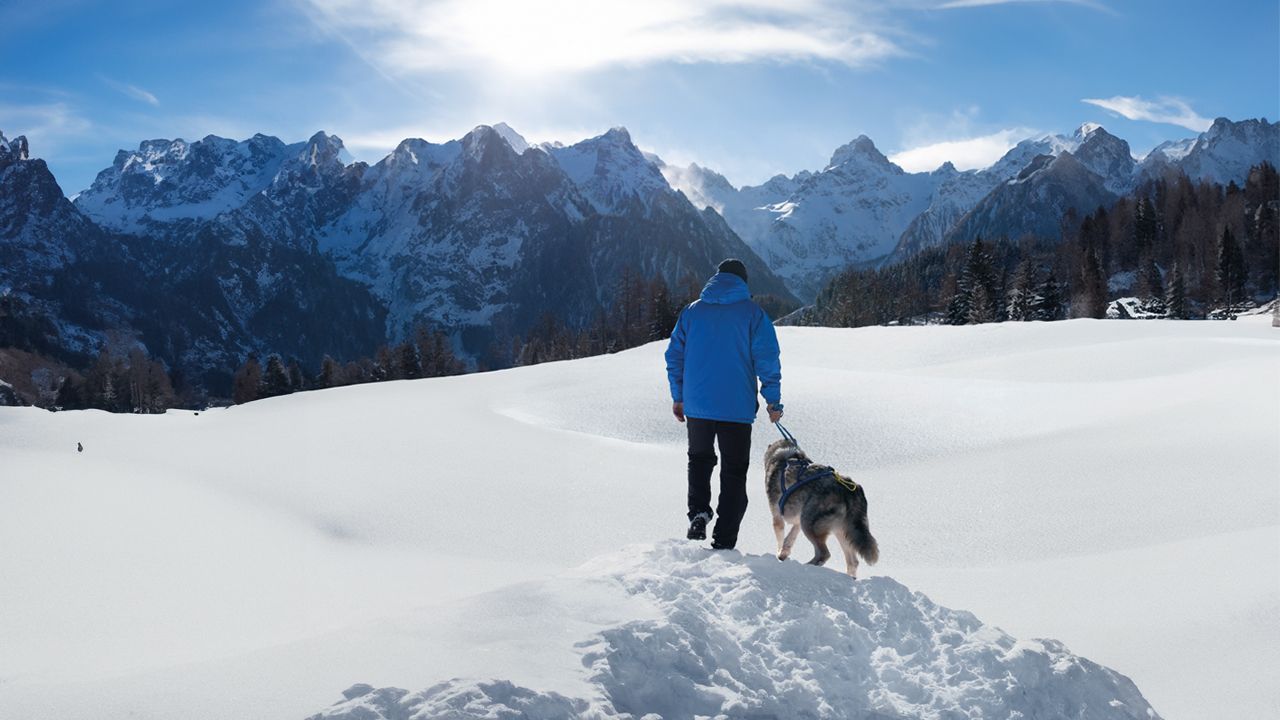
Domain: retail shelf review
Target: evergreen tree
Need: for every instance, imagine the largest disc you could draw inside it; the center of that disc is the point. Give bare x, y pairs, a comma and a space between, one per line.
1175, 299
410, 363
330, 373
1144, 228
976, 299
1150, 284
247, 382
1230, 273
663, 313
275, 380
1021, 296
1091, 302
383, 366
982, 307
1048, 303
297, 380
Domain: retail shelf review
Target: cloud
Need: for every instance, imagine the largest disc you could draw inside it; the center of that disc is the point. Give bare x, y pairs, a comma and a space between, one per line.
132, 91
1169, 110
954, 4
966, 153
46, 125
404, 37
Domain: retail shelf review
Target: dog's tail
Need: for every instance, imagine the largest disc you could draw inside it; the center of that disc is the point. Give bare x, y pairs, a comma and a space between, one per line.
859, 532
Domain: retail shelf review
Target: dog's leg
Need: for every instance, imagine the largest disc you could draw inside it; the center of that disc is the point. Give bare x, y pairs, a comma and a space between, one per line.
820, 552
787, 542
777, 529
850, 556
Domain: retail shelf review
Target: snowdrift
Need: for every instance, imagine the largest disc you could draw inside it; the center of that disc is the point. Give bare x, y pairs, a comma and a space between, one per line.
748, 636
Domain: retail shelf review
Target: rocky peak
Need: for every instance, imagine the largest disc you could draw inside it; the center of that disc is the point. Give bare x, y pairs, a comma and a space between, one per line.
862, 150
1087, 129
15, 149
611, 171
513, 138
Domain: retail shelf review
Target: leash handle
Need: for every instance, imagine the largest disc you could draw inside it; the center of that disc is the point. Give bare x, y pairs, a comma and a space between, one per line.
786, 434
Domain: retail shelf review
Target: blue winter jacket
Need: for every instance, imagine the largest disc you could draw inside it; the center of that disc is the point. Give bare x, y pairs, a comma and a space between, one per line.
721, 344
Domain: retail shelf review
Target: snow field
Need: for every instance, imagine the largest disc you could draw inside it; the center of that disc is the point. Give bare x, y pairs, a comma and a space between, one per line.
1112, 485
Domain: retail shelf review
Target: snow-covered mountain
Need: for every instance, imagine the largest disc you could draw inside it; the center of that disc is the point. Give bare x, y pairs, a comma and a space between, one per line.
861, 206
168, 180
812, 225
1222, 154
1034, 202
40, 231
293, 248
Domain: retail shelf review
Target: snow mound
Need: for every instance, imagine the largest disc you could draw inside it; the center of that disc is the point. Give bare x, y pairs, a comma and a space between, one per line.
738, 636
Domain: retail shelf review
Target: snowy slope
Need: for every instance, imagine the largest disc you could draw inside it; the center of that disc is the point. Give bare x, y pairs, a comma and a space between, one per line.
1110, 485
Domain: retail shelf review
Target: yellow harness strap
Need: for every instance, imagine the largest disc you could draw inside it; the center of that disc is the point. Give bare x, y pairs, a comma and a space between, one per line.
848, 483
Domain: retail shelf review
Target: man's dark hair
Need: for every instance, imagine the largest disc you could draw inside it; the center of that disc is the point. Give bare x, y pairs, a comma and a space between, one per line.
735, 266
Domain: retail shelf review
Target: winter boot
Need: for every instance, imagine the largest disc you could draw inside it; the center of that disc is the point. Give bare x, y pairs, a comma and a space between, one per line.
698, 527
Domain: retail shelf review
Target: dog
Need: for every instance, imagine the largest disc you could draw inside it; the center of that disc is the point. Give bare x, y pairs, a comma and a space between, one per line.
819, 507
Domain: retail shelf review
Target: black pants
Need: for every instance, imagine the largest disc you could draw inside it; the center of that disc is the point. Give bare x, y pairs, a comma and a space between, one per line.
735, 448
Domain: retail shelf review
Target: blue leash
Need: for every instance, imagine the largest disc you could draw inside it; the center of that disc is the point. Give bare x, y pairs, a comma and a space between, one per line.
805, 476
786, 435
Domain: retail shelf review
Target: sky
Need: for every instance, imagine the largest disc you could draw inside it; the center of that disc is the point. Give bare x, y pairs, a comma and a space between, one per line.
750, 88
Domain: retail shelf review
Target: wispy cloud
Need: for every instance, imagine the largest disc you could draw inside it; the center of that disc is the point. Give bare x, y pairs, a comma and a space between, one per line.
46, 125
965, 153
1170, 110
954, 4
132, 91
568, 36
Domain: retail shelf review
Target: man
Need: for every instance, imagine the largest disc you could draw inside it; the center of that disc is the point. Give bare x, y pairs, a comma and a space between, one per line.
722, 343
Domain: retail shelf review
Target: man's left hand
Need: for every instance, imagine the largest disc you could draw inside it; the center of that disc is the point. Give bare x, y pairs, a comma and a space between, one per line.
774, 415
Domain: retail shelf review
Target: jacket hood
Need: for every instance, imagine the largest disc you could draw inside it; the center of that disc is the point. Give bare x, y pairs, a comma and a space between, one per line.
724, 288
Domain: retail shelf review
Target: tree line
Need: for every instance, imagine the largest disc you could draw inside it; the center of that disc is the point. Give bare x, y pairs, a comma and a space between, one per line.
1183, 249
428, 354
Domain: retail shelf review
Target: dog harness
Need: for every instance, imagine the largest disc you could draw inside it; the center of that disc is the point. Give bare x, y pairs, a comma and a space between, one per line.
806, 473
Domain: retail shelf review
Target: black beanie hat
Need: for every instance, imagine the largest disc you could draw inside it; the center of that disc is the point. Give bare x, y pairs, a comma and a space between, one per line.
735, 266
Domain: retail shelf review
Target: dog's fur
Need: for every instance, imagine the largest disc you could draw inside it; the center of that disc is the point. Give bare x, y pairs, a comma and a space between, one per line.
819, 508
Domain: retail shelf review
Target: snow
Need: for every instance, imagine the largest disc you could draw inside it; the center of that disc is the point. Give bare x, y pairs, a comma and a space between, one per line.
1109, 485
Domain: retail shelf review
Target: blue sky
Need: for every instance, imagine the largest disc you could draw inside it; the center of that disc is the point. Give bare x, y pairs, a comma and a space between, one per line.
748, 87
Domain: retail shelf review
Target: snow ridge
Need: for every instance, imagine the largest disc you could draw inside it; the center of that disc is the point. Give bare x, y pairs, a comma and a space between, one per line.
739, 636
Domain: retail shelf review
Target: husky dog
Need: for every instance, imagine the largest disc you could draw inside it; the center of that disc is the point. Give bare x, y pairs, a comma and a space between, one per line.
819, 507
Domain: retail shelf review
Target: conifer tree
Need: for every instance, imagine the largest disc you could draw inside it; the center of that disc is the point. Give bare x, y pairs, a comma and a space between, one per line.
1091, 302
275, 379
246, 384
383, 365
1021, 296
410, 363
297, 380
662, 311
1175, 298
330, 373
1048, 305
1230, 273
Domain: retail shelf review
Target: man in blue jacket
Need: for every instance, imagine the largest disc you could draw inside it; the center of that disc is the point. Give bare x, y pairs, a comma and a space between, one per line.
722, 343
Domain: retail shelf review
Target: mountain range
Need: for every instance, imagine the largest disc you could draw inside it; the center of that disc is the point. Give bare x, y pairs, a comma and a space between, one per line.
205, 252
862, 209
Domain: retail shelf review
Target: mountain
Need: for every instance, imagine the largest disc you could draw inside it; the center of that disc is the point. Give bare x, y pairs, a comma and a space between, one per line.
809, 226
862, 209
40, 231
164, 181
1222, 154
261, 246
1035, 201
